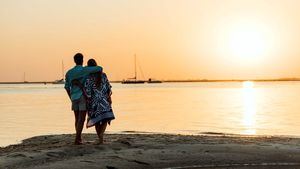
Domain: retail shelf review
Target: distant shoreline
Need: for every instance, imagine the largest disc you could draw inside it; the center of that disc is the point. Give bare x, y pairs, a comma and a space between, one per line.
180, 81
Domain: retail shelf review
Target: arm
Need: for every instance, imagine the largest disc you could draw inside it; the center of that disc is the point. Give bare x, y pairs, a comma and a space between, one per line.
109, 92
76, 82
67, 85
108, 84
69, 93
91, 69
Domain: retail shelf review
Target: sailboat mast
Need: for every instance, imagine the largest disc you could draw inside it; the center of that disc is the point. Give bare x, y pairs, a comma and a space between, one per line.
62, 69
135, 73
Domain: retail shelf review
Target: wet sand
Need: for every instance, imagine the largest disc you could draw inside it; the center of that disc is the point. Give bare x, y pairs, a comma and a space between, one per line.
133, 150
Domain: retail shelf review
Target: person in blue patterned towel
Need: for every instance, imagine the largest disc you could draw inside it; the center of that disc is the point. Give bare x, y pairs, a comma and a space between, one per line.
97, 90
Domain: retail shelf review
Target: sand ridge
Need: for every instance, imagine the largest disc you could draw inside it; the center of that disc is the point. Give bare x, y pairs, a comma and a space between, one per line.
153, 151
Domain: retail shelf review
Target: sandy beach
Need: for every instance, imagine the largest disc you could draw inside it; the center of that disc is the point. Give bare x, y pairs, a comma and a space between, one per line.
132, 150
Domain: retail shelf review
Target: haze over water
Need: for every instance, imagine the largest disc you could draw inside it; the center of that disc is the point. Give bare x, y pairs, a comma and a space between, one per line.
259, 108
173, 39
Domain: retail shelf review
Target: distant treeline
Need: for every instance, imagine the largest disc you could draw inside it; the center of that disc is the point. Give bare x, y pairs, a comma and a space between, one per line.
235, 80
226, 80
188, 80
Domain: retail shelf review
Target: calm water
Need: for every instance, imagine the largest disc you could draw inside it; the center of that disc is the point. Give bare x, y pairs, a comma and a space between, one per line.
270, 108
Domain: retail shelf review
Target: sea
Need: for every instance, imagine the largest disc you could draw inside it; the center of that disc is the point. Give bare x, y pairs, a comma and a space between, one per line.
230, 108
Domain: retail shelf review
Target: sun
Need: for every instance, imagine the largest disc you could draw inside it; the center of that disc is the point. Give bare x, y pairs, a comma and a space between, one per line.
247, 42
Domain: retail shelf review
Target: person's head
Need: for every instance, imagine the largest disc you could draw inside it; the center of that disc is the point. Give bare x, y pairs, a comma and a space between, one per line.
92, 62
97, 75
78, 59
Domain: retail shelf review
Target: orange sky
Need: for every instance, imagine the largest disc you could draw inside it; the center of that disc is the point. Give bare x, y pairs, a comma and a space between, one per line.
173, 39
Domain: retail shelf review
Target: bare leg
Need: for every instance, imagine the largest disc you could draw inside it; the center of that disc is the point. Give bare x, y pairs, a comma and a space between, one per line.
76, 119
79, 123
76, 124
100, 128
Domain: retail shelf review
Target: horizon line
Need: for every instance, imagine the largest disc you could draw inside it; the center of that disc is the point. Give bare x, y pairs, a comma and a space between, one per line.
174, 80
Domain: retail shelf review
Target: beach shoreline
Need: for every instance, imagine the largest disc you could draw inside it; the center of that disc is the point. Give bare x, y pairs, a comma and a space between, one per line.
153, 151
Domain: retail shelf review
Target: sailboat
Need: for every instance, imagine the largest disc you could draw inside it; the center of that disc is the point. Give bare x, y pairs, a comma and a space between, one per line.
133, 80
150, 80
61, 81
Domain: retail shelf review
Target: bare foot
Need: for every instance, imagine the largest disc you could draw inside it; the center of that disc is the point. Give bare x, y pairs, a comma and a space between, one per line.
99, 142
78, 142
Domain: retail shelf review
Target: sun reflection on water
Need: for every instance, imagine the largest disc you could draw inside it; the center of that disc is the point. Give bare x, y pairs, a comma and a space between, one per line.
249, 112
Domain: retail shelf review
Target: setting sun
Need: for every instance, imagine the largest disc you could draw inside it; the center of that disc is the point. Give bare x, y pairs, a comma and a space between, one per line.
247, 44
248, 41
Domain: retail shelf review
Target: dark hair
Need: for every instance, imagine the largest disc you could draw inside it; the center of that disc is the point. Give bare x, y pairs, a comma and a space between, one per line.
97, 75
78, 59
92, 62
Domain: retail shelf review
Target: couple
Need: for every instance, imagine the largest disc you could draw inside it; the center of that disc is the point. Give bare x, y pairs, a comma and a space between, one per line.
90, 92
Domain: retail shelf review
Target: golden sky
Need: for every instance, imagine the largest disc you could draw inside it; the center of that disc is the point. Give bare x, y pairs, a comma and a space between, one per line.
173, 39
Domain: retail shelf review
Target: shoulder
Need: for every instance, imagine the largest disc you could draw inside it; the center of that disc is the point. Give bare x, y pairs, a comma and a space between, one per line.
104, 76
70, 71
